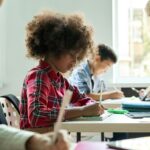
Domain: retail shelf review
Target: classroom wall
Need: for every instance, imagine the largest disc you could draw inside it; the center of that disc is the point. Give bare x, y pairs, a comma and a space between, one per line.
14, 15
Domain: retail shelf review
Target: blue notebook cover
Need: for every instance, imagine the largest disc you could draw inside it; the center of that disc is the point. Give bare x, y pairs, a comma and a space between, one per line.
136, 106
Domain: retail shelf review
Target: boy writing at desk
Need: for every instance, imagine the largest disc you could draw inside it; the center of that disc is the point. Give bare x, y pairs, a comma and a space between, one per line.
83, 76
58, 42
100, 61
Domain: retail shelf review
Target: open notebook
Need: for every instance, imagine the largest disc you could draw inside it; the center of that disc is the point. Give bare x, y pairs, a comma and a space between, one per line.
142, 143
92, 118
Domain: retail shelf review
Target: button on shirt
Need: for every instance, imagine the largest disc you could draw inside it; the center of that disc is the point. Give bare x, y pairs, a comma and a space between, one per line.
42, 94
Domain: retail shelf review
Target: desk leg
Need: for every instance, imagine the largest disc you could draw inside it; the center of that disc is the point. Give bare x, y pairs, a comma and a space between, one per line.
102, 136
78, 136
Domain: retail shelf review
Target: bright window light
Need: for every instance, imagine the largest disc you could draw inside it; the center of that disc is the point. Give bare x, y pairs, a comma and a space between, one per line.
131, 38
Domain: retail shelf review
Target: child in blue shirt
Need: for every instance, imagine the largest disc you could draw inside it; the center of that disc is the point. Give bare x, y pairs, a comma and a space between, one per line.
85, 76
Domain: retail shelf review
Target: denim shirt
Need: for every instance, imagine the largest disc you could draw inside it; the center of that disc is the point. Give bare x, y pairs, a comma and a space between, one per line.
82, 78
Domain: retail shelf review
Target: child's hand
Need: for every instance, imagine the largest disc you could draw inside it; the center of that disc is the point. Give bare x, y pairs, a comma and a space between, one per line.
44, 142
62, 142
142, 93
93, 110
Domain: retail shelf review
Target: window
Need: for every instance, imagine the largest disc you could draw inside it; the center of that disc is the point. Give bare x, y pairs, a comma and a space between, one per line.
131, 38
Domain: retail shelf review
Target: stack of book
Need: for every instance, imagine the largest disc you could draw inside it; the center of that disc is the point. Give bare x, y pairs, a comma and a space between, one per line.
137, 109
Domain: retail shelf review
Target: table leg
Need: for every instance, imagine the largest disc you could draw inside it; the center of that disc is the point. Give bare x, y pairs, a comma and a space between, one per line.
78, 136
102, 136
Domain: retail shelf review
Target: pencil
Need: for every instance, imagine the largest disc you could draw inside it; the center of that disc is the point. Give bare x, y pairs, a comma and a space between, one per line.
101, 88
65, 102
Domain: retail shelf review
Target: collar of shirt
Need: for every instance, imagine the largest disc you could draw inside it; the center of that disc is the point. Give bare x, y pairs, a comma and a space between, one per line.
45, 65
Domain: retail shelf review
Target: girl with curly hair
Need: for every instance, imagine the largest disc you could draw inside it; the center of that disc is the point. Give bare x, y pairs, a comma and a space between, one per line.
59, 42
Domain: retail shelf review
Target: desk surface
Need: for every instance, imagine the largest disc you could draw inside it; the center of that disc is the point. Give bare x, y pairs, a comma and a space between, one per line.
113, 123
115, 103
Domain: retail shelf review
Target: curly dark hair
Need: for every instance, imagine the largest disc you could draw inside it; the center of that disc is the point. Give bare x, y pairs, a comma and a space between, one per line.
107, 53
56, 34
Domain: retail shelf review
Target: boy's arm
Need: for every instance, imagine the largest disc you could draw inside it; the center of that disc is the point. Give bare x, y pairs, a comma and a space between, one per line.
107, 95
95, 96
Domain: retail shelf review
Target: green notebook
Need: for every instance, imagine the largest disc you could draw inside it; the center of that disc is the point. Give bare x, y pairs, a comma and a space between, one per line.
117, 111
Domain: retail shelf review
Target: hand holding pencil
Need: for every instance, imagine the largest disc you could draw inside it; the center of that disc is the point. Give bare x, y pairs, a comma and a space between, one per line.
93, 110
140, 92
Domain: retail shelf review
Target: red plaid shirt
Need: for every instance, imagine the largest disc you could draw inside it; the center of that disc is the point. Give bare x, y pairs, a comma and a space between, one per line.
42, 93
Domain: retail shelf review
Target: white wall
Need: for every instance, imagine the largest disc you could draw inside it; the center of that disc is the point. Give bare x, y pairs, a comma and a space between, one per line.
14, 16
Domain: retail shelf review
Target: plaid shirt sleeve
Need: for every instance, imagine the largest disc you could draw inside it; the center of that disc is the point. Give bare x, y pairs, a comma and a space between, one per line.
42, 101
79, 99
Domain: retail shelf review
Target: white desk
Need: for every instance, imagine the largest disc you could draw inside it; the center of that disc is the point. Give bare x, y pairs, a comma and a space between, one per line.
115, 103
114, 123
